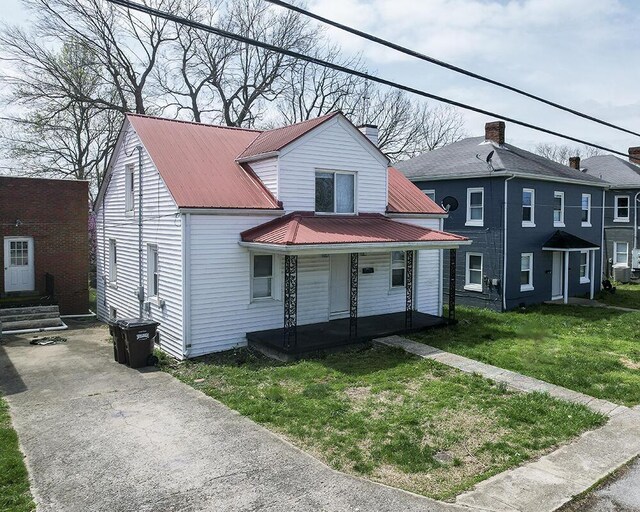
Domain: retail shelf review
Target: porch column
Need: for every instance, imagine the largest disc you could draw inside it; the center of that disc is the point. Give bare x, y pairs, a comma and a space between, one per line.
290, 301
592, 259
408, 318
565, 294
353, 296
452, 284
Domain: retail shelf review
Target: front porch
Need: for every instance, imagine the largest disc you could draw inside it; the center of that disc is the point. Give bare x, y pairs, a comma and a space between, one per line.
339, 333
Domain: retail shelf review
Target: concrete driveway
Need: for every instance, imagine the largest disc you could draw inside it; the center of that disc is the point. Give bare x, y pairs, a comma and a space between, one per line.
99, 436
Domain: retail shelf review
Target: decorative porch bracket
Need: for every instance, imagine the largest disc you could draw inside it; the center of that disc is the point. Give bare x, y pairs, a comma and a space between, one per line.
353, 296
290, 301
408, 318
452, 284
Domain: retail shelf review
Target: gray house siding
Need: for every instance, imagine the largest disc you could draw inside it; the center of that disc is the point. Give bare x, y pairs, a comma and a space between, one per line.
531, 239
616, 231
487, 239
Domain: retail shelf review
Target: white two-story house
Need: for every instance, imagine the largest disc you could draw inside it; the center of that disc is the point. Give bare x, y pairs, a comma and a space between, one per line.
294, 239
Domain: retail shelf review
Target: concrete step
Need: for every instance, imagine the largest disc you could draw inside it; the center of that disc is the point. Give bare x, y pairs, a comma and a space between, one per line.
32, 310
31, 324
34, 316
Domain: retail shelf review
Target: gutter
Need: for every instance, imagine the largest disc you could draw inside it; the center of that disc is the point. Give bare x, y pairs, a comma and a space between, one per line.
260, 156
346, 248
504, 254
505, 173
233, 211
140, 280
635, 220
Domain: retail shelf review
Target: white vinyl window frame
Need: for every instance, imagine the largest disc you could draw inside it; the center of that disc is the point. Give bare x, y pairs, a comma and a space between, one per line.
271, 278
468, 285
558, 223
112, 273
431, 194
531, 222
585, 260
478, 221
586, 198
398, 265
620, 254
335, 191
153, 278
129, 188
528, 285
616, 209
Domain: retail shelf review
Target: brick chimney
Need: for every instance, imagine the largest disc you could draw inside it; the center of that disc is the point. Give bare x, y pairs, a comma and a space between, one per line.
371, 132
634, 155
574, 162
494, 132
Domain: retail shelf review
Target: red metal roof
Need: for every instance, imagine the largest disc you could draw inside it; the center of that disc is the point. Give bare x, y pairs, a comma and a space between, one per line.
405, 197
274, 140
306, 228
198, 163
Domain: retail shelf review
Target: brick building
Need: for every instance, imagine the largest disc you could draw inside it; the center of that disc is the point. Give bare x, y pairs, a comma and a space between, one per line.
43, 224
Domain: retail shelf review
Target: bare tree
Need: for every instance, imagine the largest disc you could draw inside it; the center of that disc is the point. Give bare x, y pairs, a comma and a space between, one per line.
562, 152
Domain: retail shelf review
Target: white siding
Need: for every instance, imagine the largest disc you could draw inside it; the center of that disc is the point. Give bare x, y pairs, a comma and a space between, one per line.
161, 226
334, 146
267, 171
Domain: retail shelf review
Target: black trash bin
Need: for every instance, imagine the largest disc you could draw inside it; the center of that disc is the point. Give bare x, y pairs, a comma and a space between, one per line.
119, 348
139, 336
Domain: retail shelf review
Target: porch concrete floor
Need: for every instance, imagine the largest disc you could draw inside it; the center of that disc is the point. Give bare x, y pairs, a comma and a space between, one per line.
336, 333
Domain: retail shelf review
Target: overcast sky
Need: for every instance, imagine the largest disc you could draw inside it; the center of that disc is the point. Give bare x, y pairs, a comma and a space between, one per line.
585, 54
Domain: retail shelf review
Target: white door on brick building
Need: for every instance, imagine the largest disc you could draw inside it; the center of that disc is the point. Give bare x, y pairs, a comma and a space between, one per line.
18, 264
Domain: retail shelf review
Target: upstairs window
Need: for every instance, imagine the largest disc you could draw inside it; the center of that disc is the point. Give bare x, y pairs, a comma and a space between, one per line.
152, 270
621, 209
558, 209
475, 207
262, 276
335, 192
586, 210
528, 207
473, 277
584, 267
129, 176
113, 262
526, 272
398, 269
431, 194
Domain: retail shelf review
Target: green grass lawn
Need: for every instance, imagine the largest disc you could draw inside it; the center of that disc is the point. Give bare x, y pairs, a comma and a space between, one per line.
14, 480
594, 351
626, 296
390, 416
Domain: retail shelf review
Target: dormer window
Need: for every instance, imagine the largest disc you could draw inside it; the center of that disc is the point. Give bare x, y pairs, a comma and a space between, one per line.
335, 192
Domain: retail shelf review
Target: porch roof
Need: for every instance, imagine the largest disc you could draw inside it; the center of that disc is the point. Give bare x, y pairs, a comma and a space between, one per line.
306, 230
563, 241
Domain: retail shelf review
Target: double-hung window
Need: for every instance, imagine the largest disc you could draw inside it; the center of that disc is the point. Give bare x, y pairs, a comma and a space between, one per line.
262, 276
586, 210
621, 210
475, 207
526, 272
584, 266
528, 207
558, 209
620, 254
335, 192
113, 262
398, 269
129, 176
473, 277
152, 271
431, 194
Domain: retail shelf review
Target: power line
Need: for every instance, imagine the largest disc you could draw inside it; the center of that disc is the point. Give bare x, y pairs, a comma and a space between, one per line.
437, 62
337, 67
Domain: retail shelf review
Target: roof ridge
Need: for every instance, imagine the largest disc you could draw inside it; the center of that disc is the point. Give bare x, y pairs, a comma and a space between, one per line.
184, 121
315, 119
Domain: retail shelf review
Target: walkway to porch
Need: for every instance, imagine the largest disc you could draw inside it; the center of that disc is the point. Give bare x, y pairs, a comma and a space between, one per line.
336, 333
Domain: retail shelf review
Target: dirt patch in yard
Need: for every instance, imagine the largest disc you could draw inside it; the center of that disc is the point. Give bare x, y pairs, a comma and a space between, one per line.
628, 363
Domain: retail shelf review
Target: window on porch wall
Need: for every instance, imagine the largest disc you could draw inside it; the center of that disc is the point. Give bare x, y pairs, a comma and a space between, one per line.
262, 276
584, 267
398, 269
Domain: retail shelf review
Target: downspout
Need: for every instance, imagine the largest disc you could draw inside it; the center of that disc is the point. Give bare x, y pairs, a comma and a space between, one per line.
140, 280
602, 242
504, 255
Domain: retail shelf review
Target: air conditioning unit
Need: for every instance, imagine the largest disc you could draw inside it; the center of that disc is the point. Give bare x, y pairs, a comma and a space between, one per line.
622, 274
635, 259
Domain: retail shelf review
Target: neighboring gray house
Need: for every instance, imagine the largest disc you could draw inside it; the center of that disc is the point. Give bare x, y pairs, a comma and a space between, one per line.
621, 220
536, 225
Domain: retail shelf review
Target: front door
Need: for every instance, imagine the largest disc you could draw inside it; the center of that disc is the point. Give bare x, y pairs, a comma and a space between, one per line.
18, 264
339, 286
556, 276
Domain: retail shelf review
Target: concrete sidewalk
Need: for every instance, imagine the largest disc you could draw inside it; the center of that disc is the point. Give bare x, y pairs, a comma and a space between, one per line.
99, 436
553, 480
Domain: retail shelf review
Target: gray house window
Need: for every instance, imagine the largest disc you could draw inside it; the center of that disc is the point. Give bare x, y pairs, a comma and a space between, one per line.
558, 209
586, 210
473, 274
620, 254
526, 272
528, 207
475, 206
584, 267
621, 213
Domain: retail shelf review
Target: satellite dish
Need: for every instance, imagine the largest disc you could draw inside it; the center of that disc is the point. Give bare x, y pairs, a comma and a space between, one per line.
489, 157
450, 204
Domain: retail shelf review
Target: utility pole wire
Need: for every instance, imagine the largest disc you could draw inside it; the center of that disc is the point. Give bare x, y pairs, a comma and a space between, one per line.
437, 62
389, 83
